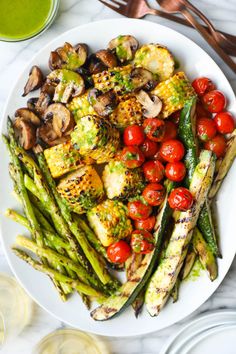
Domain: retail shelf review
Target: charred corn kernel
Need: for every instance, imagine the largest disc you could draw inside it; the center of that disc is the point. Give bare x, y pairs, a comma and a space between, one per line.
95, 137
117, 79
173, 93
121, 182
157, 59
110, 222
128, 112
63, 158
83, 189
80, 106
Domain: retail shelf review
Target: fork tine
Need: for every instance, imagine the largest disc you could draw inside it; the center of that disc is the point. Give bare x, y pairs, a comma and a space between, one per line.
114, 8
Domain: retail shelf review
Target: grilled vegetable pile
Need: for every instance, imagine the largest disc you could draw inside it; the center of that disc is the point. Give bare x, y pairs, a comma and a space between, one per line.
116, 164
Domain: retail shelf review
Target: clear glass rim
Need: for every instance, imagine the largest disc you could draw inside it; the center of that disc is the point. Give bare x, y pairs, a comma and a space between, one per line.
51, 18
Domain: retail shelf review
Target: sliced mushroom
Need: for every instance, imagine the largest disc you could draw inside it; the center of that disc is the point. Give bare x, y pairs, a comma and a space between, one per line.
25, 133
152, 104
68, 57
62, 119
35, 80
31, 103
28, 116
103, 103
68, 84
124, 47
47, 134
107, 58
95, 65
140, 77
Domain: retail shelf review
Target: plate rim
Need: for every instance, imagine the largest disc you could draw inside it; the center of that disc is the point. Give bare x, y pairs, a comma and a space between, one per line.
3, 121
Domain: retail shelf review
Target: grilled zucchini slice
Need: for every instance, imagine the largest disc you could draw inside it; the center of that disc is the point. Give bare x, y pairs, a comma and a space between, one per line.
63, 158
174, 93
157, 59
121, 182
164, 279
95, 137
83, 189
110, 222
80, 107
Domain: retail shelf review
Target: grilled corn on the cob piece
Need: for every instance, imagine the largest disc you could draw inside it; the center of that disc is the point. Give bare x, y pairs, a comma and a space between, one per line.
128, 112
117, 79
63, 158
173, 93
80, 106
95, 137
83, 189
121, 182
157, 59
109, 221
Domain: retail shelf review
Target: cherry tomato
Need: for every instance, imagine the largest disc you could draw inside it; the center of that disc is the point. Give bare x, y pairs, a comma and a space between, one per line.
217, 145
201, 111
154, 128
175, 117
133, 135
180, 199
203, 85
142, 241
138, 210
170, 131
149, 148
154, 171
154, 194
119, 252
147, 224
214, 101
132, 156
172, 150
206, 128
175, 171
224, 122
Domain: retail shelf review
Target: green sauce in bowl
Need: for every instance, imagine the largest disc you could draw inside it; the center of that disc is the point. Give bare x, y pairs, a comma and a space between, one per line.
22, 19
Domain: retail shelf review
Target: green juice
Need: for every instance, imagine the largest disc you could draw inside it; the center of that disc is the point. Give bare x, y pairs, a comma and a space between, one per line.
20, 19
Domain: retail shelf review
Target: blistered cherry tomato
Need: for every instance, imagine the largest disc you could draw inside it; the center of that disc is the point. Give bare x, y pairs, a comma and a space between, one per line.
119, 252
132, 156
154, 171
146, 224
170, 131
149, 148
154, 194
206, 128
175, 117
133, 135
217, 145
214, 101
175, 171
180, 199
201, 111
142, 241
224, 122
138, 210
172, 150
154, 128
203, 85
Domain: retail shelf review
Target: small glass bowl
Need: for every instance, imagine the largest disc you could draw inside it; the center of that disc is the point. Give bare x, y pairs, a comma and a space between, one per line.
70, 341
47, 24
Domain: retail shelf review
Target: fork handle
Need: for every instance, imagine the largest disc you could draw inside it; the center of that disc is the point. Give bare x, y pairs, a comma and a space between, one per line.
210, 40
182, 21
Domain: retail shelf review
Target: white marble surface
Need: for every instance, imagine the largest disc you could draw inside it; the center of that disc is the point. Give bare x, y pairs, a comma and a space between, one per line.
13, 57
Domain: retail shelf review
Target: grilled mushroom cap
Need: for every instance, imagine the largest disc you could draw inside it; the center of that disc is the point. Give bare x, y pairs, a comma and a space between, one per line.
28, 116
58, 124
95, 65
25, 133
124, 47
140, 77
152, 104
107, 58
68, 57
35, 80
103, 103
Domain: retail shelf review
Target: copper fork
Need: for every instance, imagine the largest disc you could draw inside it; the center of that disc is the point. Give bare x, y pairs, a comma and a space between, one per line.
140, 8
